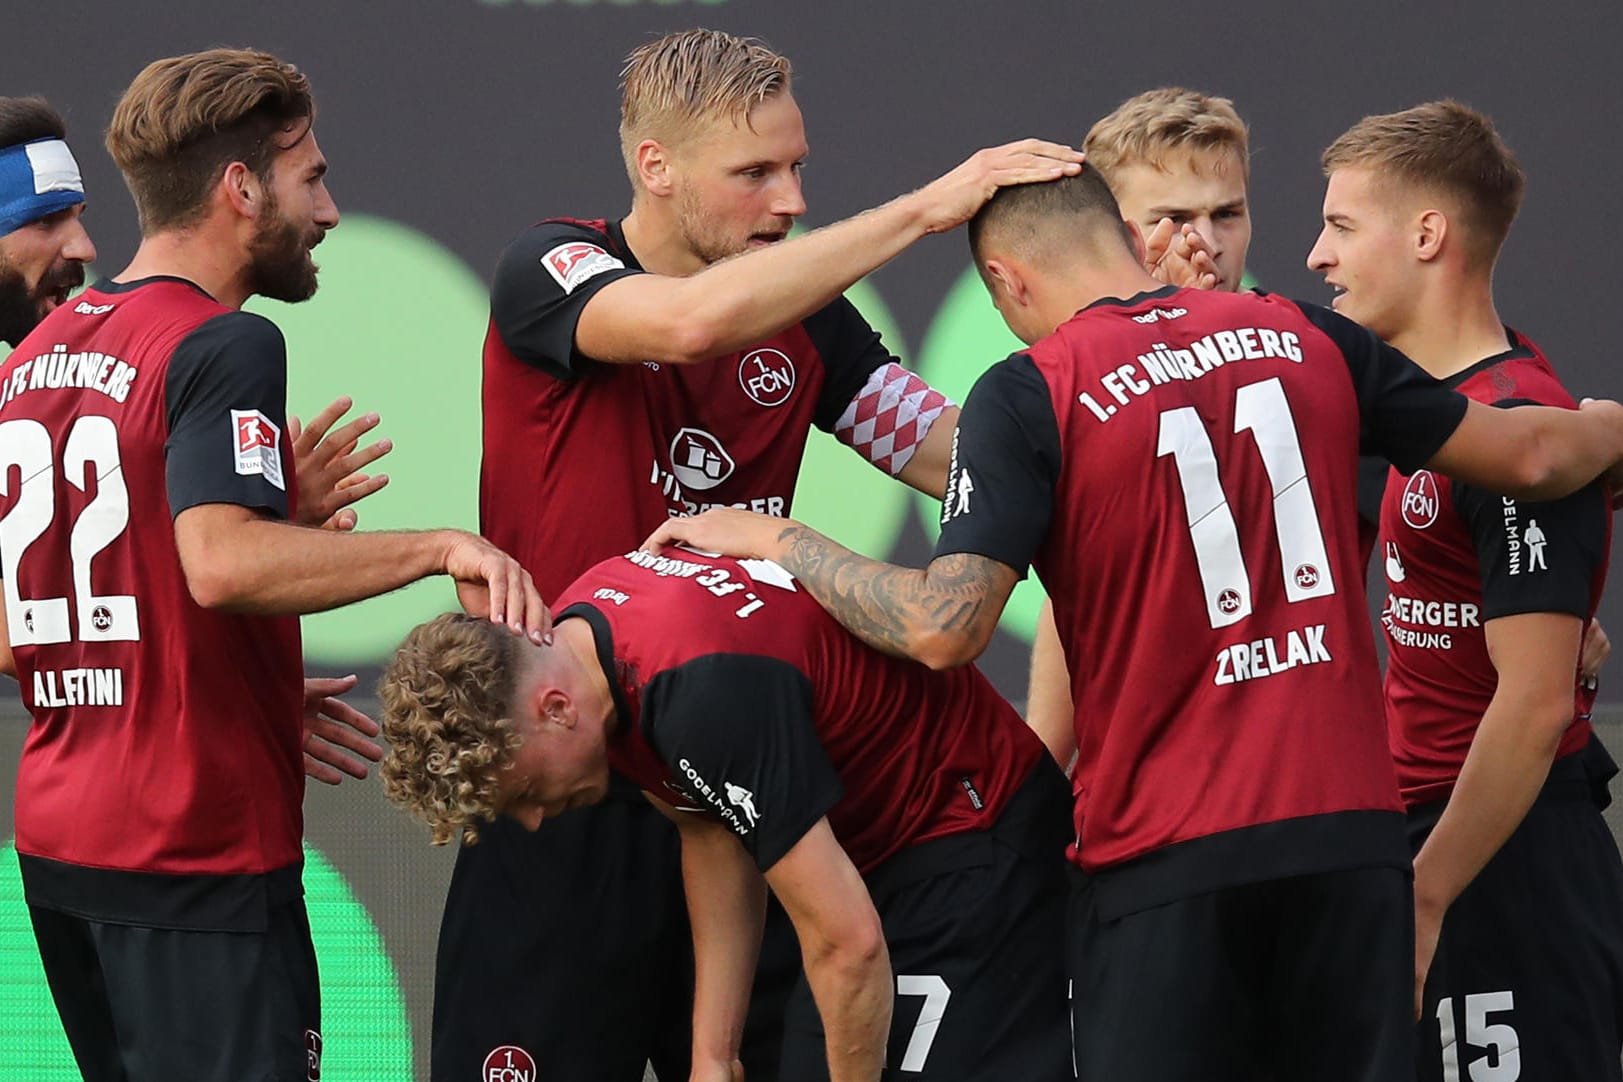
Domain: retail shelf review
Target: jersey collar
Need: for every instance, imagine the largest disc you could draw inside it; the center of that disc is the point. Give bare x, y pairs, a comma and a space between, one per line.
1136, 299
1520, 349
620, 678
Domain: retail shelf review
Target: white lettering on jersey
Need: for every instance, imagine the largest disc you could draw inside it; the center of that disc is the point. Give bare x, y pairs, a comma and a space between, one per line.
573, 263
61, 370
1164, 364
78, 687
1420, 501
713, 798
1513, 535
258, 446
1265, 657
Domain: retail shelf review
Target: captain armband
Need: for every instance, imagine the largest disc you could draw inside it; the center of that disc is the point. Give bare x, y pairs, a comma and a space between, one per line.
889, 418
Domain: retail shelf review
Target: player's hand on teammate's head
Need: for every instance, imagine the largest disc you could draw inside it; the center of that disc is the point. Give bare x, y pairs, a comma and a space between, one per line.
329, 464
337, 737
726, 531
952, 199
492, 585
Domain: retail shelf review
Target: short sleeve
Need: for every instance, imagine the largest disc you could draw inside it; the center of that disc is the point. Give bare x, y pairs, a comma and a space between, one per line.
1406, 415
738, 735
1535, 556
851, 351
225, 394
1005, 464
542, 284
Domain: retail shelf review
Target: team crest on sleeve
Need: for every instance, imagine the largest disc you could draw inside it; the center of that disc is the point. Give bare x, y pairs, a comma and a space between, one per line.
573, 263
508, 1063
258, 446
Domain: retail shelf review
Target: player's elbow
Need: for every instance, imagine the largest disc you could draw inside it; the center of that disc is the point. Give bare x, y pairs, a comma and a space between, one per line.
211, 585
943, 648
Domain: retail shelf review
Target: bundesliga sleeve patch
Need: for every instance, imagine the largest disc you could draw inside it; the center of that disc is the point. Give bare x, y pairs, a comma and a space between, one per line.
573, 263
258, 446
890, 416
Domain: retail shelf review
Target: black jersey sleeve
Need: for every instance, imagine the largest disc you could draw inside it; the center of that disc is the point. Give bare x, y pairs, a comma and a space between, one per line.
1005, 464
1406, 415
850, 350
225, 394
542, 284
738, 735
1535, 556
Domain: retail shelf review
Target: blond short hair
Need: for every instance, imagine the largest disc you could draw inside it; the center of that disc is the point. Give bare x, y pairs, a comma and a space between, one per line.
447, 698
673, 87
1449, 148
1149, 128
186, 118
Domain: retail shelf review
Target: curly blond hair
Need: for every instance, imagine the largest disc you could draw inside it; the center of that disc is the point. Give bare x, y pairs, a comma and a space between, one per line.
447, 699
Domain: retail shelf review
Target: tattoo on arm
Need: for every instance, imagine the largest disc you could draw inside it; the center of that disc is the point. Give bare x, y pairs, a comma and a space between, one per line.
889, 607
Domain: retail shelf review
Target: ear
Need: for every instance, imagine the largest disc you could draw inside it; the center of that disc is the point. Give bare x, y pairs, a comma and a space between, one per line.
555, 707
1430, 234
653, 160
1135, 237
1007, 279
242, 189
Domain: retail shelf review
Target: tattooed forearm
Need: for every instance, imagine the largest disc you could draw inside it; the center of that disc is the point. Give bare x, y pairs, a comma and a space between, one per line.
941, 615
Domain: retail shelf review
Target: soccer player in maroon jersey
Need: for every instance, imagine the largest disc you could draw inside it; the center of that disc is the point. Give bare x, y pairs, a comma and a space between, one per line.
153, 572
883, 803
43, 243
1502, 776
1181, 468
633, 371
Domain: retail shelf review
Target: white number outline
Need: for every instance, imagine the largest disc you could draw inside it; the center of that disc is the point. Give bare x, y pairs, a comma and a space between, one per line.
1499, 1038
936, 994
1262, 409
92, 441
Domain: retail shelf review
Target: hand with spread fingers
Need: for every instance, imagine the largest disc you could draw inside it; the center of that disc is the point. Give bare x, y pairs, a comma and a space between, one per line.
337, 737
329, 462
952, 199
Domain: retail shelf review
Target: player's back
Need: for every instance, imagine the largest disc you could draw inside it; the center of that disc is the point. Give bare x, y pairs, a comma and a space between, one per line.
920, 754
1203, 560
165, 736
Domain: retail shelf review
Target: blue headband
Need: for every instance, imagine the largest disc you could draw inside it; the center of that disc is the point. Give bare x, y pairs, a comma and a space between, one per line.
37, 179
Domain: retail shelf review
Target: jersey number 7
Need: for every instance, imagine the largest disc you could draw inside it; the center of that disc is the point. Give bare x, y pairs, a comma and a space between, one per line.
1262, 408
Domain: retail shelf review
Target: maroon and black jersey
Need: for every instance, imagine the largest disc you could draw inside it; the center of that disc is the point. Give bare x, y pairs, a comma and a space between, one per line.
1182, 469
1455, 557
740, 697
609, 451
165, 737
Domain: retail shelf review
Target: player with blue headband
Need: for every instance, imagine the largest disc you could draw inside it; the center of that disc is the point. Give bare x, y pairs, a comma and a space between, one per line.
43, 243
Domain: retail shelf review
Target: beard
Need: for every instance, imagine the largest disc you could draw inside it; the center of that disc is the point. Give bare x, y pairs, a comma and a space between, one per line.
21, 308
699, 232
280, 266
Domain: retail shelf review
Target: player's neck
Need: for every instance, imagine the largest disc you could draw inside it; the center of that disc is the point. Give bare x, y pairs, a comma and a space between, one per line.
1453, 331
593, 696
217, 269
653, 237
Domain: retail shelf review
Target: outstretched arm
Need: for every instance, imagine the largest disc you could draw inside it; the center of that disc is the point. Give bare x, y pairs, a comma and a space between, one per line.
942, 615
1533, 452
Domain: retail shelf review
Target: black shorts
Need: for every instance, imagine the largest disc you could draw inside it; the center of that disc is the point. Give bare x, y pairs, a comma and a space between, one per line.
974, 924
1305, 979
1529, 966
144, 1004
569, 948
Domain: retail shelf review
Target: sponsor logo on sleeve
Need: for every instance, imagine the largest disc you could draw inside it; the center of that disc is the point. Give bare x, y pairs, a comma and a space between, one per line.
767, 376
258, 446
573, 263
743, 800
1533, 537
